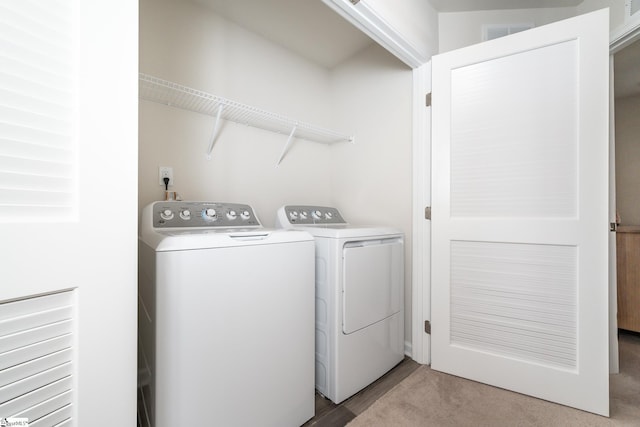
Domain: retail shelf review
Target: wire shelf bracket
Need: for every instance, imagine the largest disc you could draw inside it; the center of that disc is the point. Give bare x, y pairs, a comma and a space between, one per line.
287, 145
216, 131
178, 96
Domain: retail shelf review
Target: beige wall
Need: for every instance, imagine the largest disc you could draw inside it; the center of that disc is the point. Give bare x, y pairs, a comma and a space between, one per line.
368, 96
627, 129
188, 44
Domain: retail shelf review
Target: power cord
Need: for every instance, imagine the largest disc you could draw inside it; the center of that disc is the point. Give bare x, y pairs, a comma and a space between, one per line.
166, 183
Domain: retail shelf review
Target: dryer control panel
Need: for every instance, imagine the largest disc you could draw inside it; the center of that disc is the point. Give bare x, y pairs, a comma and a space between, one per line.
309, 215
203, 214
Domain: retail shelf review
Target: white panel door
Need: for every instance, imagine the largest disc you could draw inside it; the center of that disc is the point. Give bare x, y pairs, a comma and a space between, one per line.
68, 211
519, 213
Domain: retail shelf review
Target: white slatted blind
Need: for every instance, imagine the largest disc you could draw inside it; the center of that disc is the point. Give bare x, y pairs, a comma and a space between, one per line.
37, 111
36, 358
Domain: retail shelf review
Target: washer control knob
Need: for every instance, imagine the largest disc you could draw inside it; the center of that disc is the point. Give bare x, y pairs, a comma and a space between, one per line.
245, 214
232, 214
316, 214
303, 214
293, 215
328, 215
185, 214
166, 214
209, 213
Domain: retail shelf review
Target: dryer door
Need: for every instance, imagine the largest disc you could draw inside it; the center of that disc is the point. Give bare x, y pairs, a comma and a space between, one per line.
373, 280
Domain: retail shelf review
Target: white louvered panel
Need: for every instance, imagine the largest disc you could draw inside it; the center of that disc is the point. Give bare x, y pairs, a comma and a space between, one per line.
47, 407
35, 312
515, 300
36, 356
24, 338
61, 415
26, 401
21, 164
27, 117
36, 198
29, 306
37, 111
18, 388
39, 349
26, 369
529, 172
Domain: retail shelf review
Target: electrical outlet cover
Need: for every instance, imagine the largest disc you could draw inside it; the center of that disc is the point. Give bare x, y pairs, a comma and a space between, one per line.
165, 172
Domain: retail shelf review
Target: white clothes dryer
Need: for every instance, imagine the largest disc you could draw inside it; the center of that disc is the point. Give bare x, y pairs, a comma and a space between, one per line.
226, 318
359, 298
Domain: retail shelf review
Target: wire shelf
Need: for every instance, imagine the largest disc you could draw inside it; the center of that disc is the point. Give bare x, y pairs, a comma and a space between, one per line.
175, 95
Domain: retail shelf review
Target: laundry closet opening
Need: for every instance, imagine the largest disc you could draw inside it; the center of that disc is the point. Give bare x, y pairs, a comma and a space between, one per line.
627, 180
297, 59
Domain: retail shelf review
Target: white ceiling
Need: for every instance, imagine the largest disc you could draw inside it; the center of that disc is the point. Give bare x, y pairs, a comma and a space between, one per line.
313, 31
307, 27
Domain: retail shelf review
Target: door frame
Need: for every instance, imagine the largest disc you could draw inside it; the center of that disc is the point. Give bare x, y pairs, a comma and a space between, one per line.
620, 38
421, 256
421, 243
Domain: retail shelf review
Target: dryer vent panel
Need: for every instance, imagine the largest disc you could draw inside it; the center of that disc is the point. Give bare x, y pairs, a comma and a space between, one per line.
37, 340
494, 31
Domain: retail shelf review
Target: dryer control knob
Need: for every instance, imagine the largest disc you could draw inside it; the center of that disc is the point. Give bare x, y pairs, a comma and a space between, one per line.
328, 215
185, 214
316, 214
293, 215
166, 214
303, 214
209, 213
245, 214
232, 215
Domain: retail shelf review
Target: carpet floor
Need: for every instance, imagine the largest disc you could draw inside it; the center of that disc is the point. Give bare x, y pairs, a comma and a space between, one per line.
431, 398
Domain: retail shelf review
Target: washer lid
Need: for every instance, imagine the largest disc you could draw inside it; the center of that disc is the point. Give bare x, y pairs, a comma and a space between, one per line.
180, 240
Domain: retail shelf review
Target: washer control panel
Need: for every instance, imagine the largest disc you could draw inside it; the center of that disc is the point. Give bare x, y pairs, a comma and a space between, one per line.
203, 214
312, 215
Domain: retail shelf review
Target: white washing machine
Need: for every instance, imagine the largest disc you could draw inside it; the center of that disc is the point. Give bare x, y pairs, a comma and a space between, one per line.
359, 298
226, 317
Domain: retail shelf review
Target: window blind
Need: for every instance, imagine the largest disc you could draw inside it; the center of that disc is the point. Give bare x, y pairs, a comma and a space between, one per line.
38, 148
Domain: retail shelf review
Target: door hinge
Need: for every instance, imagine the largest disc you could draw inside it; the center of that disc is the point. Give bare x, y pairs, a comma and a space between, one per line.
427, 327
427, 213
613, 226
428, 99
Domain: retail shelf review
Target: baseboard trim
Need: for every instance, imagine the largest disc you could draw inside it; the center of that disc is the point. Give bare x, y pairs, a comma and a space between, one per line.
408, 349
